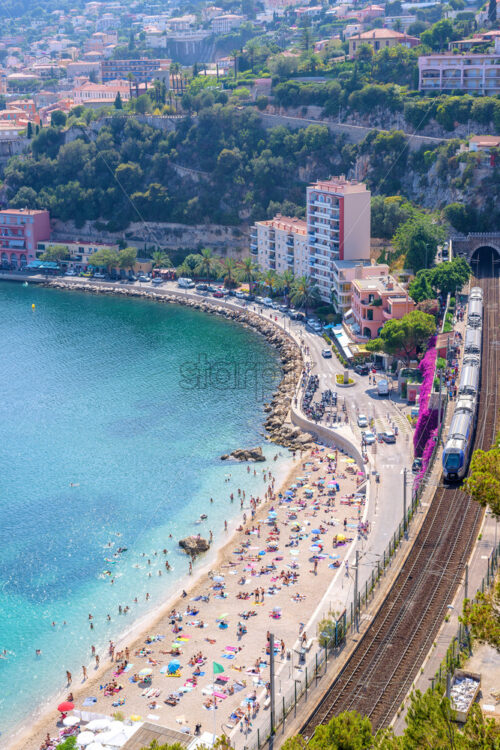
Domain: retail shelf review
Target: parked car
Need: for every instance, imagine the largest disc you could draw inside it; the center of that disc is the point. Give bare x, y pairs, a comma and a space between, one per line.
317, 327
416, 466
240, 295
217, 294
70, 272
144, 278
283, 308
267, 301
362, 369
389, 436
294, 315
157, 280
99, 275
326, 353
362, 420
249, 297
201, 287
368, 438
185, 283
87, 274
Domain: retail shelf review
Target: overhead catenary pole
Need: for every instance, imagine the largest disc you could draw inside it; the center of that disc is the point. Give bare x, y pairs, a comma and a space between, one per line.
271, 680
356, 591
405, 527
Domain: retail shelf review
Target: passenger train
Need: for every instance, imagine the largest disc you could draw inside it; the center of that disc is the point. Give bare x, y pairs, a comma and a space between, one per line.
458, 446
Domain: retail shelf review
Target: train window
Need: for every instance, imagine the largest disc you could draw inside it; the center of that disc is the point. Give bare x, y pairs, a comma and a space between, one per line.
452, 461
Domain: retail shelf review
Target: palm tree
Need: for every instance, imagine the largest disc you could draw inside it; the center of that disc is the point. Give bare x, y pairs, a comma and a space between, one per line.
208, 263
248, 272
228, 272
287, 279
270, 279
304, 292
161, 260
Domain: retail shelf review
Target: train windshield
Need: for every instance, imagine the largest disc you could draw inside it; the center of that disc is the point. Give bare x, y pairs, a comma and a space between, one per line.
452, 461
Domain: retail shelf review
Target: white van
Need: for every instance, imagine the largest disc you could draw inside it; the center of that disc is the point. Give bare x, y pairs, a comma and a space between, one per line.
185, 283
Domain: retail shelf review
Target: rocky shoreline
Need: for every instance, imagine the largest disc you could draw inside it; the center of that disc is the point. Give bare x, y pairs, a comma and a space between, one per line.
277, 424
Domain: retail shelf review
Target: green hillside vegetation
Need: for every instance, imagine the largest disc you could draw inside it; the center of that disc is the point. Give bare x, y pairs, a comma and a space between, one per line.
128, 173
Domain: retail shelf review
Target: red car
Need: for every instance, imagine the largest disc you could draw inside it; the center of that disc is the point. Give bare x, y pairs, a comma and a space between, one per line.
217, 294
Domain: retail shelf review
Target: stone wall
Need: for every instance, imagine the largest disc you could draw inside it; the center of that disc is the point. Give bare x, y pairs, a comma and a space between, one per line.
230, 241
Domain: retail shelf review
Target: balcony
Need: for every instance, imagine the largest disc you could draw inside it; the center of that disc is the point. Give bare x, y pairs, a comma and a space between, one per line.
253, 250
272, 255
290, 260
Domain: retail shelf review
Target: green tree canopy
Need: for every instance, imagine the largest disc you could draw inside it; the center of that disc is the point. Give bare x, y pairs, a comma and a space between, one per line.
104, 258
55, 253
450, 275
483, 482
57, 119
418, 239
127, 257
161, 260
305, 293
420, 288
388, 213
405, 337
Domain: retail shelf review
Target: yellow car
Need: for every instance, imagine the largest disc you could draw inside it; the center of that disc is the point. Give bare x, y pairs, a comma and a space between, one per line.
88, 274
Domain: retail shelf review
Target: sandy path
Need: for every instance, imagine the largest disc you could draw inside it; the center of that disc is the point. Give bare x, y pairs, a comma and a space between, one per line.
238, 559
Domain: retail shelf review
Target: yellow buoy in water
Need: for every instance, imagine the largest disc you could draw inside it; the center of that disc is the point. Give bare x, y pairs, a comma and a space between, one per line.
33, 306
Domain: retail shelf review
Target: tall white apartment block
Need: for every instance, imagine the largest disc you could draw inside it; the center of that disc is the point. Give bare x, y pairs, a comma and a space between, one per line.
280, 244
338, 228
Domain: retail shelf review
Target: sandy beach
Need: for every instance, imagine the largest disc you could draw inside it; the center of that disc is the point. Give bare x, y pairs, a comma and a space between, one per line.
269, 577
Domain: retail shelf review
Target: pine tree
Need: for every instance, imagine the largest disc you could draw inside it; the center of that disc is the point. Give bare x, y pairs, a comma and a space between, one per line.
29, 131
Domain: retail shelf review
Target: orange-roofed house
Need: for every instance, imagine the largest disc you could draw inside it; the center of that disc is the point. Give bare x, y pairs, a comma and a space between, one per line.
380, 39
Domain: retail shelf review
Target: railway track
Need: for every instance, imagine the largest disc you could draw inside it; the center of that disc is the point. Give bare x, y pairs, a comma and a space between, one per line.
380, 671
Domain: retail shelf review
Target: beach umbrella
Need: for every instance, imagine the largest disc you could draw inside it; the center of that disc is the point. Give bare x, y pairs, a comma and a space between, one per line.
135, 717
340, 537
174, 665
316, 531
65, 706
85, 738
98, 724
315, 548
218, 579
145, 672
71, 721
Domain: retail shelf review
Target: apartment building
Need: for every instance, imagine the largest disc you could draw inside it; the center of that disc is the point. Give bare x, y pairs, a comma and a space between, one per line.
473, 73
225, 23
280, 244
344, 273
338, 228
95, 94
375, 301
20, 231
141, 70
80, 253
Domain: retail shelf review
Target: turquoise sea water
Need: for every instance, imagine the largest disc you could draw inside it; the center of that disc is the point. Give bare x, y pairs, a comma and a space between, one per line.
131, 402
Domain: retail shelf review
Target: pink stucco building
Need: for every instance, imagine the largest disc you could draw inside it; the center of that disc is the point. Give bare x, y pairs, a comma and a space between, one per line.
375, 301
20, 231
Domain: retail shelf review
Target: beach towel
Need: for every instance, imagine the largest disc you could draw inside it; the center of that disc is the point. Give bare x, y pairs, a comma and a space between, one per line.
163, 670
89, 701
128, 668
228, 656
231, 648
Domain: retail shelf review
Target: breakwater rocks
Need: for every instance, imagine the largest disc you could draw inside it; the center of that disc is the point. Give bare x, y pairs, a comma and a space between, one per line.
194, 545
277, 424
245, 454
